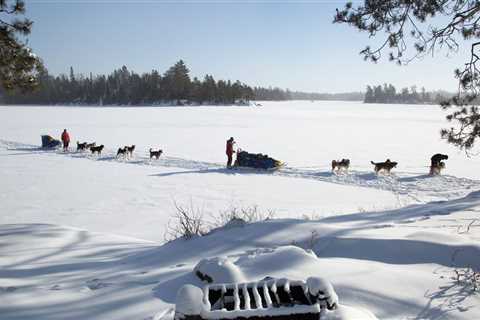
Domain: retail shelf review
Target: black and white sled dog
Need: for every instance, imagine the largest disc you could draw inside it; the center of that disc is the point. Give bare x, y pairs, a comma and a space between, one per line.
155, 153
81, 146
339, 165
122, 152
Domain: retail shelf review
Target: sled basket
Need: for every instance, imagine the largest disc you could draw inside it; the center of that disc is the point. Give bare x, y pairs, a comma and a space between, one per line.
50, 143
256, 161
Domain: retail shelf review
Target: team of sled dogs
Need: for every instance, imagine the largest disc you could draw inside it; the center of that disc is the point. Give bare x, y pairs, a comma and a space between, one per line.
436, 165
126, 151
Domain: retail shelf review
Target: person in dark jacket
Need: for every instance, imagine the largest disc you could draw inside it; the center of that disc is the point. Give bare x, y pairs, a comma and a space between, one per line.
230, 151
437, 158
65, 139
437, 164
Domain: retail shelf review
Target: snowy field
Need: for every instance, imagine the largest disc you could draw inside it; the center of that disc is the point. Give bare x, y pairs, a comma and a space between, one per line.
81, 237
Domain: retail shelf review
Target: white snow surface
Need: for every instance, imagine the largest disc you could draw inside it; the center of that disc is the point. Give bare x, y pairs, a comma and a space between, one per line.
220, 270
71, 223
189, 300
322, 288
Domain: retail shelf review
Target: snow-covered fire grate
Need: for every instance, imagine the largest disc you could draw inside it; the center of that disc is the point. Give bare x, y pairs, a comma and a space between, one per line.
275, 299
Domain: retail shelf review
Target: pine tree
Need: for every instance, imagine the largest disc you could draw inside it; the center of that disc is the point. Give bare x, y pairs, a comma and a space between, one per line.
19, 67
369, 98
177, 81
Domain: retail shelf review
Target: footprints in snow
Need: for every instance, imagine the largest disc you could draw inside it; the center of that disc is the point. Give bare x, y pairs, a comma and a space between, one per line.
8, 289
401, 222
92, 284
96, 284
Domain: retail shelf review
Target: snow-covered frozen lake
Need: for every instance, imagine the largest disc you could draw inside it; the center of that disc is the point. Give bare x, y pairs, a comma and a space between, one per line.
378, 228
303, 134
69, 190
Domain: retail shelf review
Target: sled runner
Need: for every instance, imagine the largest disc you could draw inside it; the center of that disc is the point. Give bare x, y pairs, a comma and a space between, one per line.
256, 161
272, 299
50, 143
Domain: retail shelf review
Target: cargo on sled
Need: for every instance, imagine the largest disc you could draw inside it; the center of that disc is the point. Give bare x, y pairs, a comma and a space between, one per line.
256, 161
48, 142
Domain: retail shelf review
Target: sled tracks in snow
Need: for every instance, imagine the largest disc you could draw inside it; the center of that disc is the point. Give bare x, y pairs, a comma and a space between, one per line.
419, 188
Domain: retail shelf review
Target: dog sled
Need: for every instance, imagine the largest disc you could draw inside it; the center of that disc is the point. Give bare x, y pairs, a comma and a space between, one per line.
256, 161
48, 142
272, 299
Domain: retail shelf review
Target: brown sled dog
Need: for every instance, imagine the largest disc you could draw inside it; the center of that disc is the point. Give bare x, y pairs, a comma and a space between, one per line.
437, 169
386, 166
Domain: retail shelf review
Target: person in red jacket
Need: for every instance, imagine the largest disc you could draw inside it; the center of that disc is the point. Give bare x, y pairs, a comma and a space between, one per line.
65, 139
230, 152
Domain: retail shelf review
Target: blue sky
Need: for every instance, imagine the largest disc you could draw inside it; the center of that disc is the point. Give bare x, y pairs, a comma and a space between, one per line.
290, 44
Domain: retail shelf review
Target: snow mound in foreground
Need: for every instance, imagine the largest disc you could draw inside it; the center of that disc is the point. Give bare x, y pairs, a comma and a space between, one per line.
265, 260
189, 300
218, 270
252, 264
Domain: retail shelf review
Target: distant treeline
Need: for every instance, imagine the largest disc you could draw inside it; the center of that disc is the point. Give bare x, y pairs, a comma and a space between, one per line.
345, 96
279, 94
389, 94
125, 87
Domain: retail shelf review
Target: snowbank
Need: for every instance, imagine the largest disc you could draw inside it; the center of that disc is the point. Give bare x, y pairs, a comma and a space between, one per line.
218, 270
